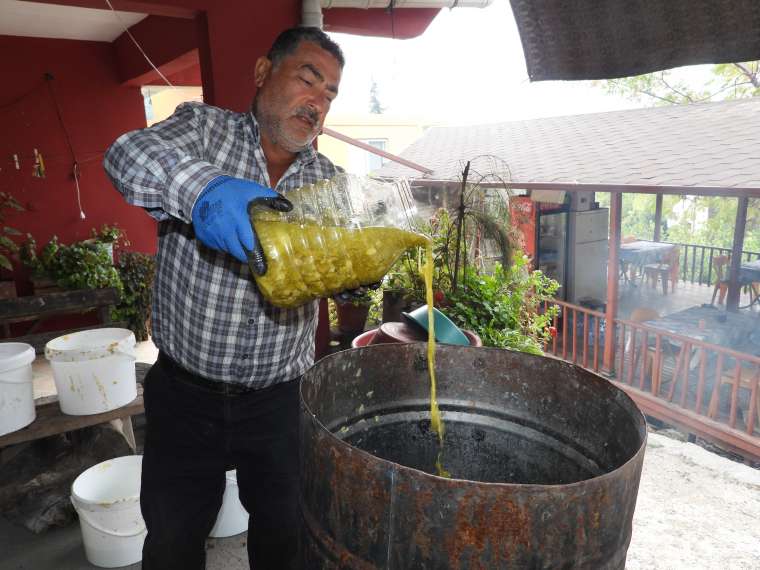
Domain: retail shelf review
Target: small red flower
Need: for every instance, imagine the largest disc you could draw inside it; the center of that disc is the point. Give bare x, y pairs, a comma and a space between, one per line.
439, 297
553, 331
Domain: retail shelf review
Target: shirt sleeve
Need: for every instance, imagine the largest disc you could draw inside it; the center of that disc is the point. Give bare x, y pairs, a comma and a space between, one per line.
162, 168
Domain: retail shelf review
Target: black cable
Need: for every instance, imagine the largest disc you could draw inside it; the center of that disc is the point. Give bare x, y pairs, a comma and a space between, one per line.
20, 97
49, 80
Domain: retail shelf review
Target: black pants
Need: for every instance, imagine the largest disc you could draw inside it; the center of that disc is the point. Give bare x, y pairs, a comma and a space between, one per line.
194, 435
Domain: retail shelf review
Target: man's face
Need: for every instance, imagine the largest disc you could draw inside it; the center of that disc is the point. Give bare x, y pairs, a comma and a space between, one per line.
294, 97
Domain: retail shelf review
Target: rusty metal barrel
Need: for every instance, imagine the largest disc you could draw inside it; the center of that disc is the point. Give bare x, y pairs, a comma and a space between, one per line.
545, 461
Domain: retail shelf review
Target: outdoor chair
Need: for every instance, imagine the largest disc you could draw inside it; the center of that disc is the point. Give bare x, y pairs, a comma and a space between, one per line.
640, 315
721, 283
749, 378
666, 270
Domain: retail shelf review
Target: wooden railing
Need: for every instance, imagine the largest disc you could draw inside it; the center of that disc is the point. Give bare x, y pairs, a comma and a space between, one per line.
705, 389
580, 335
696, 261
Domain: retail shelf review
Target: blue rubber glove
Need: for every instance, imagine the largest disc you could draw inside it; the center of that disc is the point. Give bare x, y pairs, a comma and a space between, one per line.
221, 217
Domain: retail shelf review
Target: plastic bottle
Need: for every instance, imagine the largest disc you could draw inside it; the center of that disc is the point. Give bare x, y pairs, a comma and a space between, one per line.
341, 234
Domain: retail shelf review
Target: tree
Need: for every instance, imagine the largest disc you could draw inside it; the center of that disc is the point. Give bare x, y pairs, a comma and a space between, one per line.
374, 101
727, 81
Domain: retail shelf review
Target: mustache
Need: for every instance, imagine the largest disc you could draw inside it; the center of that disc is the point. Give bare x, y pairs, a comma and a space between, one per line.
309, 115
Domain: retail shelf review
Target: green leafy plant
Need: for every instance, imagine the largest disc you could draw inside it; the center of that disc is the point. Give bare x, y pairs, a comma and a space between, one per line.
504, 307
80, 265
110, 234
501, 304
137, 271
8, 248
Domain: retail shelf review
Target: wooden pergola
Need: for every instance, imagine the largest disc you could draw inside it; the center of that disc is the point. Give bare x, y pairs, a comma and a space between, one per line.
616, 203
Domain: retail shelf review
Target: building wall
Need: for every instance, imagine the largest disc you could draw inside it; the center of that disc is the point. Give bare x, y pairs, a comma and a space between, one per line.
95, 110
160, 102
398, 132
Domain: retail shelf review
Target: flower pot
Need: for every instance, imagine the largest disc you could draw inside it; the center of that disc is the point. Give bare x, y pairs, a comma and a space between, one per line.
351, 317
7, 289
395, 302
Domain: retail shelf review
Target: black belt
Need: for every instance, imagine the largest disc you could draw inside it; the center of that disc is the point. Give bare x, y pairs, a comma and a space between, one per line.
187, 377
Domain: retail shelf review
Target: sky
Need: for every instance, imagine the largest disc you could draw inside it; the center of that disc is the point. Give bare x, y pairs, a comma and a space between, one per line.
466, 68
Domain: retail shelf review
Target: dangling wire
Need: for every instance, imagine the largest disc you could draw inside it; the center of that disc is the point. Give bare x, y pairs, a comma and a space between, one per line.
75, 172
75, 168
145, 55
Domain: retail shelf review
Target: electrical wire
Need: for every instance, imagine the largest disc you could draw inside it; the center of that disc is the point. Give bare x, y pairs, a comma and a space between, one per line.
145, 55
20, 97
75, 167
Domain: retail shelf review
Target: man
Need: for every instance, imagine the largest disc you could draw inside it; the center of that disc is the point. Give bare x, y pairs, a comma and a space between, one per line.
224, 390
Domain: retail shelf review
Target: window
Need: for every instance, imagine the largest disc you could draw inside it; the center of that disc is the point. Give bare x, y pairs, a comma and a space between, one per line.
374, 161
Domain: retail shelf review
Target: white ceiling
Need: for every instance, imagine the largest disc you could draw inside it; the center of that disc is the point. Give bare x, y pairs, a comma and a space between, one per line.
38, 20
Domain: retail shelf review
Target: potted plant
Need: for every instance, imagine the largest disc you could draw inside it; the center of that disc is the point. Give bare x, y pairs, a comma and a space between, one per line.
109, 237
352, 313
8, 248
136, 271
80, 265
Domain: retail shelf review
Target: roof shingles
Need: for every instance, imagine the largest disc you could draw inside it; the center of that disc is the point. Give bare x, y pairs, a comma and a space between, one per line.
707, 144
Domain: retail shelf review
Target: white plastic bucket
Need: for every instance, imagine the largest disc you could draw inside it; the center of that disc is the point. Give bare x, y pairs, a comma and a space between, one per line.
107, 500
16, 393
94, 370
232, 518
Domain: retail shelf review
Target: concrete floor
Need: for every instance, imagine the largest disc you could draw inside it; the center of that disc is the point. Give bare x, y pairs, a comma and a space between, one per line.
62, 549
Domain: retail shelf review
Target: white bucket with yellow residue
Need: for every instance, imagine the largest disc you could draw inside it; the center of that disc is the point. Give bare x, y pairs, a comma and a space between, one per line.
107, 500
94, 370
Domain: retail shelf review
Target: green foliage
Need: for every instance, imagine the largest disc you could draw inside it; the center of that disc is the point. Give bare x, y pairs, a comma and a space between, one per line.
375, 316
8, 248
79, 265
110, 234
136, 271
406, 274
701, 220
503, 308
726, 81
501, 305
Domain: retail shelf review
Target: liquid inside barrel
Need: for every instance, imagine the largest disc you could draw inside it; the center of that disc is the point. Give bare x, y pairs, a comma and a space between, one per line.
545, 460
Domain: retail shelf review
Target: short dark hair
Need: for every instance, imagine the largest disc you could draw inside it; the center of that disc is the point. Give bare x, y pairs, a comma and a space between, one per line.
289, 40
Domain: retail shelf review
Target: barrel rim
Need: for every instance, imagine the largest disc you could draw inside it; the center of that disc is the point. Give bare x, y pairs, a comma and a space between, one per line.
630, 463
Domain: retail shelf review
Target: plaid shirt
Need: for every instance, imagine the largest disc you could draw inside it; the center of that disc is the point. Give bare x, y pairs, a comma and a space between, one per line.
207, 312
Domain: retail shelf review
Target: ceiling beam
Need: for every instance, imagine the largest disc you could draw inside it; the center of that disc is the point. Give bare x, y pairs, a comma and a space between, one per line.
170, 43
173, 10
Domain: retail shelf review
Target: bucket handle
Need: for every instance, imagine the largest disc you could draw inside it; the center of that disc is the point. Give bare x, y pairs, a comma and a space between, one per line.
99, 528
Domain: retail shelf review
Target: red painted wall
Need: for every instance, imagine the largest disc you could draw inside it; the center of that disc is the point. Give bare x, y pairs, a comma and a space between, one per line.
95, 109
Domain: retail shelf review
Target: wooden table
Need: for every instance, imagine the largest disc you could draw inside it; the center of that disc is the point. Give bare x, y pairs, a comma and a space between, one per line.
749, 275
639, 253
706, 324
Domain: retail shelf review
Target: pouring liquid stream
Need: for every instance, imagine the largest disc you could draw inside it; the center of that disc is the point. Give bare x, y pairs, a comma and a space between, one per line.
435, 414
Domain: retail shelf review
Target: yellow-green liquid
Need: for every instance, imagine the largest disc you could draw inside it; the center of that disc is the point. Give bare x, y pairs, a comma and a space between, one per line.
436, 423
310, 261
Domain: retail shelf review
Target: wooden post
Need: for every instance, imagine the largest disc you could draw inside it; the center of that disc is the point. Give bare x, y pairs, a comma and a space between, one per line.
613, 271
732, 300
658, 217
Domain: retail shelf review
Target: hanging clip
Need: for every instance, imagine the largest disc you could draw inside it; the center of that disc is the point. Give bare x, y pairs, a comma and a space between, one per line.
38, 170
